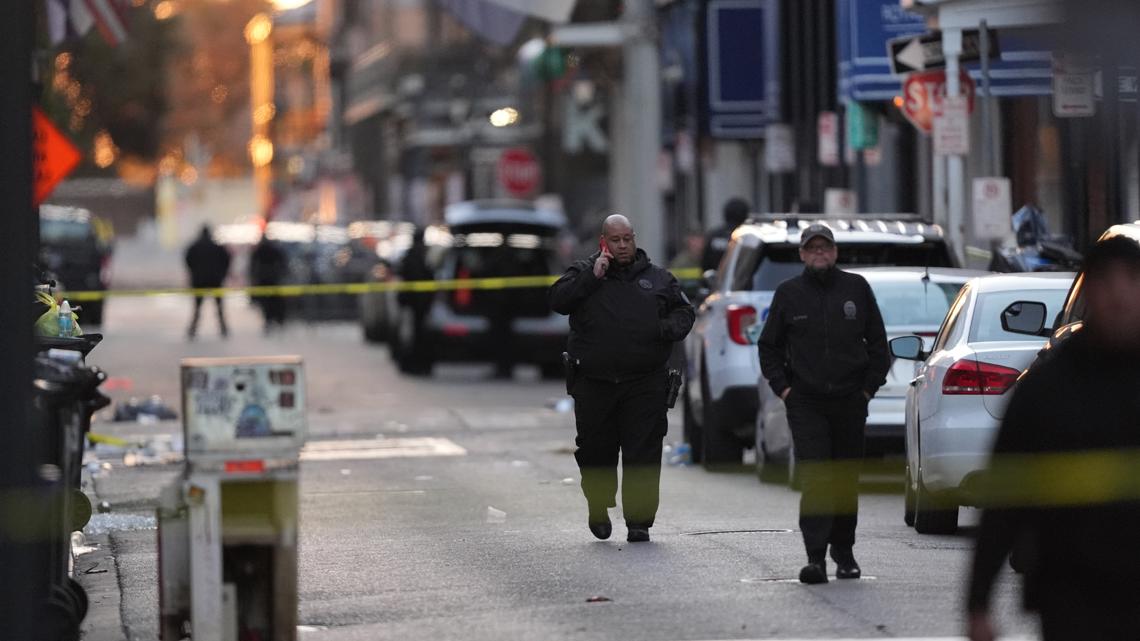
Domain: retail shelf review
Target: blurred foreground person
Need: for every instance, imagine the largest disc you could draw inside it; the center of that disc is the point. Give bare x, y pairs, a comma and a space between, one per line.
268, 265
625, 315
824, 352
1063, 478
209, 264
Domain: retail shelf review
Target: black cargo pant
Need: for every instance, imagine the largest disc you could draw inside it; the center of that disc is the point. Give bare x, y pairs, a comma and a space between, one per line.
628, 417
198, 312
827, 433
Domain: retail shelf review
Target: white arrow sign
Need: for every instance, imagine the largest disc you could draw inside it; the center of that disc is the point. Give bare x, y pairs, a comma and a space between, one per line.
913, 55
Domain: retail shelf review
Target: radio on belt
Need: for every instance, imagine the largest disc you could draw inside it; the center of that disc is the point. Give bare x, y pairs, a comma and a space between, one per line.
228, 526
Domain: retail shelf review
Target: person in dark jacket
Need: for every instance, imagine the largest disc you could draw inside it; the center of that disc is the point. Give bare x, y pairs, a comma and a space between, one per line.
208, 263
268, 266
823, 350
1062, 478
716, 242
625, 315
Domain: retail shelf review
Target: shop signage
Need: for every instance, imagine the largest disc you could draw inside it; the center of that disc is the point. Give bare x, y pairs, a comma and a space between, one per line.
992, 208
1074, 86
952, 128
828, 133
779, 149
923, 94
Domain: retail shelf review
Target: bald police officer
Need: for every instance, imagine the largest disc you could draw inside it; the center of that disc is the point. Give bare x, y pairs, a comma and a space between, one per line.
625, 315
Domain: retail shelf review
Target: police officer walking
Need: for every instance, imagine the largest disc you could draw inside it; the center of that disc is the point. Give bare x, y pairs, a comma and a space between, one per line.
625, 316
1063, 472
824, 352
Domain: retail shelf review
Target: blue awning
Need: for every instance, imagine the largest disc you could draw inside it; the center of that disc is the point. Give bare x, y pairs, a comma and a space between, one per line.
865, 26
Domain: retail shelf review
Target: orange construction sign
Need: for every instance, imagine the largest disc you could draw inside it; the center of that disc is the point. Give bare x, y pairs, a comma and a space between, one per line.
55, 155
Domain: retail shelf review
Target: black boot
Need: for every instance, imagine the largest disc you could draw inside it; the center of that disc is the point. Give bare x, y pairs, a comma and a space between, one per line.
845, 565
815, 572
600, 522
637, 534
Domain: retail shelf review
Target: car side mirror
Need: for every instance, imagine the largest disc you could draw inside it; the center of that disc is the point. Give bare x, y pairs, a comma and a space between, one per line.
1024, 317
708, 279
908, 348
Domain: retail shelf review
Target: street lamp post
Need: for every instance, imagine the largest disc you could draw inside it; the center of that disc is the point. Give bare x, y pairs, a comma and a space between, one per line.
262, 110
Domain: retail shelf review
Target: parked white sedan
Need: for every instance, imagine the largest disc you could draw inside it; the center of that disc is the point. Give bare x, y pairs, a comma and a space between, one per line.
912, 301
958, 397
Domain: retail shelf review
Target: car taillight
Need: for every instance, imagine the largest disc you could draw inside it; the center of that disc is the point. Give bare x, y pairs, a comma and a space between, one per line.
740, 318
463, 294
977, 378
105, 271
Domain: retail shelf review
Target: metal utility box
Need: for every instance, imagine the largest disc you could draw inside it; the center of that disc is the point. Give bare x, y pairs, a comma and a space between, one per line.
228, 525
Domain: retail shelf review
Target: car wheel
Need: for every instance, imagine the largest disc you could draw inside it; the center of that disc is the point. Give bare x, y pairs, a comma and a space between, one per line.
933, 514
720, 448
908, 499
691, 428
373, 333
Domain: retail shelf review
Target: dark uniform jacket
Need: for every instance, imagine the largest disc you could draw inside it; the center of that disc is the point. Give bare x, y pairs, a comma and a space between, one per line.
1069, 444
623, 326
208, 263
824, 336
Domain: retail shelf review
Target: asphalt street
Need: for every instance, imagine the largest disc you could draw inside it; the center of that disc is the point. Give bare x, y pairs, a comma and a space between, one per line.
449, 509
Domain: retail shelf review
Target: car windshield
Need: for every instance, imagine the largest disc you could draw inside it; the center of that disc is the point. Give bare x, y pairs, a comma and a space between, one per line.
57, 231
914, 303
986, 324
779, 262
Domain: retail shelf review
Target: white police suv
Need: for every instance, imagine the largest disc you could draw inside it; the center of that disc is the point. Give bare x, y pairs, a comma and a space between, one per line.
722, 366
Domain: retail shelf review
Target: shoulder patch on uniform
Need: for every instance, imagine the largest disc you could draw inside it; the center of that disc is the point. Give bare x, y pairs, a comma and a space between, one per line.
644, 283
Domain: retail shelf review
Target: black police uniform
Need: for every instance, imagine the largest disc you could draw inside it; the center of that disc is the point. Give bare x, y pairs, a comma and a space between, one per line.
622, 330
824, 338
1077, 414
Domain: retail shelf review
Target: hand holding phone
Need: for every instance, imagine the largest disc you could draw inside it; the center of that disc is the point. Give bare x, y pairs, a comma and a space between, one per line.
603, 261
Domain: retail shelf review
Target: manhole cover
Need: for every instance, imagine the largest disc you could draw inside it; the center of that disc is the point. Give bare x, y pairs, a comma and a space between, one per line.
764, 531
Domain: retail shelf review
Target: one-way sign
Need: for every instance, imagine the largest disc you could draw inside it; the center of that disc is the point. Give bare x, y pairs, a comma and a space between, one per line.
924, 52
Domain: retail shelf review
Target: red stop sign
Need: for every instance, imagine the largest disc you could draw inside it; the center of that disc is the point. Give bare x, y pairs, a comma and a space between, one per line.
923, 94
519, 172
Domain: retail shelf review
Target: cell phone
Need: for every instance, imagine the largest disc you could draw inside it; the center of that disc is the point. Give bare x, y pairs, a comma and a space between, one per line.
602, 247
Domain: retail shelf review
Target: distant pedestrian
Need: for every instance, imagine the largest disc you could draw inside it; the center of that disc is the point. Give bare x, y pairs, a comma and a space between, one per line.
625, 315
716, 241
208, 264
268, 267
412, 351
823, 350
1069, 441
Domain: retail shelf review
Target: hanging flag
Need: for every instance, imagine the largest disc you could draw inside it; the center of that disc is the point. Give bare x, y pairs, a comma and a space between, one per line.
56, 21
80, 17
110, 20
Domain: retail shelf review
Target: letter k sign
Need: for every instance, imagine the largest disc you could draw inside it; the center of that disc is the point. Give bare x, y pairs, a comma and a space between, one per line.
582, 128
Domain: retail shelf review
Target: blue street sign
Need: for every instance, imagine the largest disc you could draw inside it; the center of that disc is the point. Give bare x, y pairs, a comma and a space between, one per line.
743, 72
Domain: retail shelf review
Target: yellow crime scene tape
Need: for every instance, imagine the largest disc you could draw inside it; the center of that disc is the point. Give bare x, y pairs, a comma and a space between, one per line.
512, 282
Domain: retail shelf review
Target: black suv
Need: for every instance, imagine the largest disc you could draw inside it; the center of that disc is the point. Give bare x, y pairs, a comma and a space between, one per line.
490, 239
75, 249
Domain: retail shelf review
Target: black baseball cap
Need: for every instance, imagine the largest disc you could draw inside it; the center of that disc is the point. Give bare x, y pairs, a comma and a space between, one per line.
816, 230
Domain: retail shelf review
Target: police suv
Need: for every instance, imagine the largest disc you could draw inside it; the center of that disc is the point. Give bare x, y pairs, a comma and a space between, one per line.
722, 366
